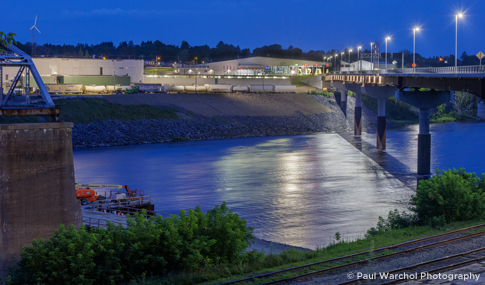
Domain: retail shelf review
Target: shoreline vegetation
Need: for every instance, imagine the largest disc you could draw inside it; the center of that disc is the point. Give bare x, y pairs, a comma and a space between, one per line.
209, 248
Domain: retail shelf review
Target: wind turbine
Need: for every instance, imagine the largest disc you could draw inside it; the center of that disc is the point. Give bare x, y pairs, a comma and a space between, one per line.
33, 35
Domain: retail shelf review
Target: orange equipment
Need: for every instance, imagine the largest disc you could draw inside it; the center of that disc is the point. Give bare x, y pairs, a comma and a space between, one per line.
85, 193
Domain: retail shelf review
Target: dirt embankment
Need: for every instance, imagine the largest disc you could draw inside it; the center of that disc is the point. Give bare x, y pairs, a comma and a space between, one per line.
236, 104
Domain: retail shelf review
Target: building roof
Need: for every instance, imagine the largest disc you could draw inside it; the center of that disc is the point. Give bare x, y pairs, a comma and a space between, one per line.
269, 61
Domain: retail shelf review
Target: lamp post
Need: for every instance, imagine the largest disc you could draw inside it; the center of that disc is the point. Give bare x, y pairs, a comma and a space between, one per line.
358, 57
335, 66
371, 57
459, 15
387, 39
350, 50
414, 48
341, 58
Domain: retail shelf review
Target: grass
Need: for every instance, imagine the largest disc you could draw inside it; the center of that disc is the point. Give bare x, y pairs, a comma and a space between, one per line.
443, 119
86, 110
157, 69
296, 80
323, 93
263, 263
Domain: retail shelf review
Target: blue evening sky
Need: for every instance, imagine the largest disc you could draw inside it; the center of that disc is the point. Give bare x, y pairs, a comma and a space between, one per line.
307, 24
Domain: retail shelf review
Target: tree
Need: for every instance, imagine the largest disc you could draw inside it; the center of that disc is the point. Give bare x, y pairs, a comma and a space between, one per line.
80, 52
7, 39
184, 45
86, 53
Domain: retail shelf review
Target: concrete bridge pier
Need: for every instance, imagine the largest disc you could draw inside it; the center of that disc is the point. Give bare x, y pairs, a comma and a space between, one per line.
381, 93
36, 186
481, 109
356, 88
343, 96
424, 100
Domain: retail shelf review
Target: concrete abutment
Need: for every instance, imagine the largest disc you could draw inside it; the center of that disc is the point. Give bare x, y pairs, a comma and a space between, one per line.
36, 186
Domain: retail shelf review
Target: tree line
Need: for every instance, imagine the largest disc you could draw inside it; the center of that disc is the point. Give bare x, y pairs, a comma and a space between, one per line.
185, 53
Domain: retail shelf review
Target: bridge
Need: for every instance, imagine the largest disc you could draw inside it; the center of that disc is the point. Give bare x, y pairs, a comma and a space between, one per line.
423, 88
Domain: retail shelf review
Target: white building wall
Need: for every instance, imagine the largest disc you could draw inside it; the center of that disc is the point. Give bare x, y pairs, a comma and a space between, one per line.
74, 66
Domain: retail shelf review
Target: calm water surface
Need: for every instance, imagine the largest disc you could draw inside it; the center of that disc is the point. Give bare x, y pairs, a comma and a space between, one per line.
298, 190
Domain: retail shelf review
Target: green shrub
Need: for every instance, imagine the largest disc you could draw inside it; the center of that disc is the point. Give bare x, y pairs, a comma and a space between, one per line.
454, 194
395, 220
146, 247
323, 93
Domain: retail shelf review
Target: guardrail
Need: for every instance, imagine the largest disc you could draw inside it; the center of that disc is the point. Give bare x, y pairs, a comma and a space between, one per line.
469, 69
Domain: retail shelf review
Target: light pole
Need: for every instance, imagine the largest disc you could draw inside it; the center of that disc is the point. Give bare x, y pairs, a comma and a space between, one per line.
387, 39
325, 59
341, 58
414, 48
459, 15
335, 67
358, 57
350, 50
371, 57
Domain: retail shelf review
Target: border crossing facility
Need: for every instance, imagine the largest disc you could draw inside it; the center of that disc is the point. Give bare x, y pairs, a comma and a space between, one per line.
78, 75
257, 66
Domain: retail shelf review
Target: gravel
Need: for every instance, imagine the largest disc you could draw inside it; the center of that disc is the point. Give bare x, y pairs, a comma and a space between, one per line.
196, 127
402, 260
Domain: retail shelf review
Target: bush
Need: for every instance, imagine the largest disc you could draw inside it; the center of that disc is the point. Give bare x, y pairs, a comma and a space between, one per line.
453, 194
323, 93
146, 247
395, 220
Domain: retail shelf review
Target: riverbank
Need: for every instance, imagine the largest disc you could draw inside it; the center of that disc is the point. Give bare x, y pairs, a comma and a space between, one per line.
309, 114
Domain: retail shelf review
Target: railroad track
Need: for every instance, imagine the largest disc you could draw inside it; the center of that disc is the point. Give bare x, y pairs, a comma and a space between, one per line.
428, 263
350, 259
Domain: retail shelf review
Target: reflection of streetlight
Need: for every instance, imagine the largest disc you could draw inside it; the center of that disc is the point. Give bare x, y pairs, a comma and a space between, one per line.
387, 39
414, 48
459, 15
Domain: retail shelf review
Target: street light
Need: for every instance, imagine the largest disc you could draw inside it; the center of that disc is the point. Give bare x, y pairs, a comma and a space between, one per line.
414, 48
350, 50
459, 15
358, 57
387, 39
335, 65
371, 57
341, 58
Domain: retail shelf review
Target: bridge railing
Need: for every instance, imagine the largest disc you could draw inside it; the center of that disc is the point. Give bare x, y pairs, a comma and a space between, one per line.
421, 70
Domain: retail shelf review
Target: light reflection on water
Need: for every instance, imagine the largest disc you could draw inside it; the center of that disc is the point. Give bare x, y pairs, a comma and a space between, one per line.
298, 190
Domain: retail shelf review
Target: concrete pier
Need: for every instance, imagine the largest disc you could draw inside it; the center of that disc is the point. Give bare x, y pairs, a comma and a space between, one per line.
36, 186
356, 88
381, 93
343, 95
481, 110
424, 100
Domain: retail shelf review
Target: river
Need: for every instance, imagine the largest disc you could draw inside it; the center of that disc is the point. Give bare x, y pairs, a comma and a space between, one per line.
298, 190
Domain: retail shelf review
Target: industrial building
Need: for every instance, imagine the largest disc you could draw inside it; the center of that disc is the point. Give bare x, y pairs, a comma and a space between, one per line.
81, 71
257, 66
